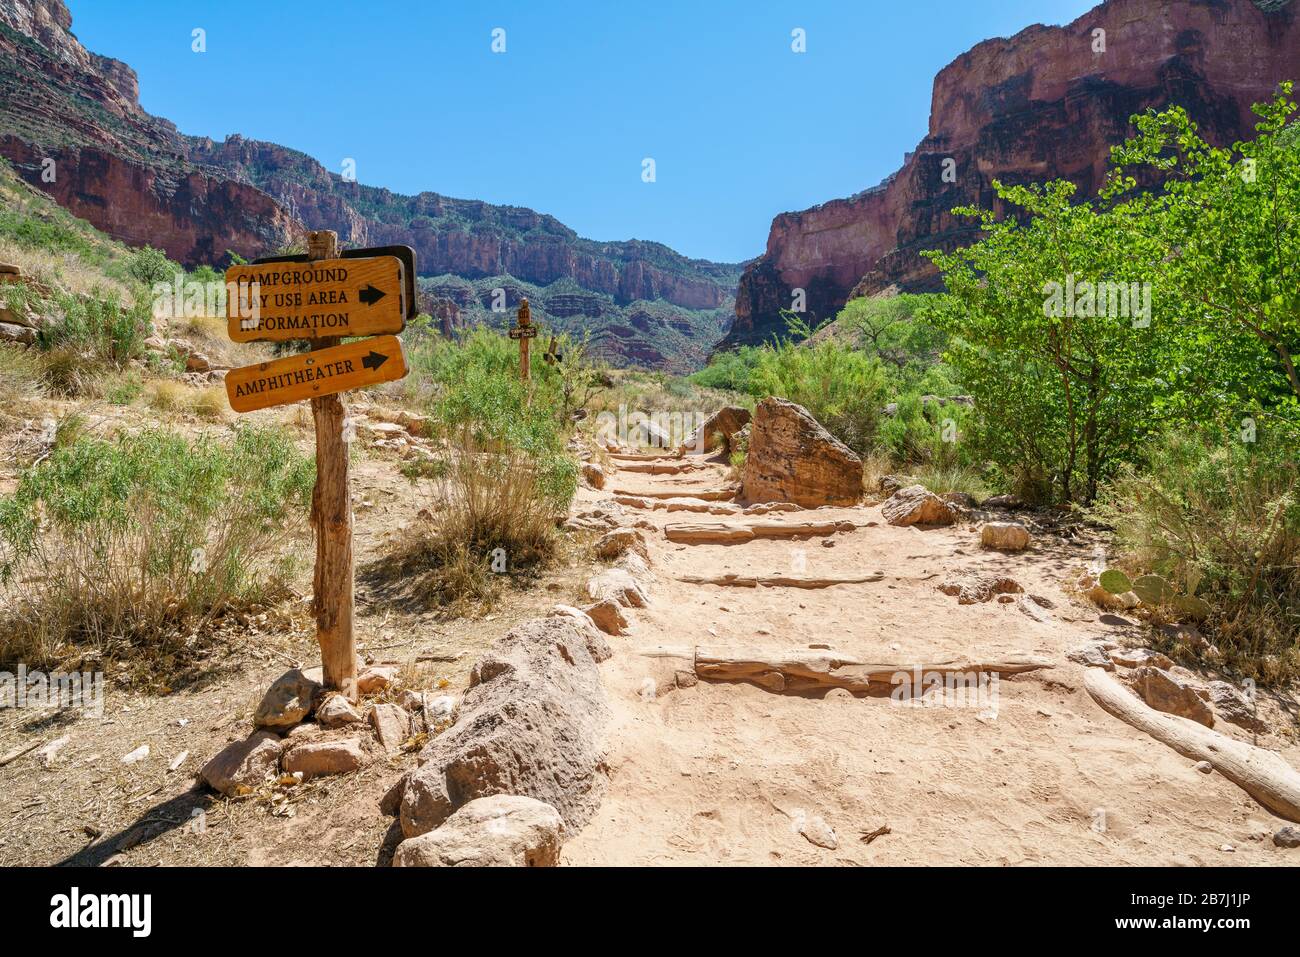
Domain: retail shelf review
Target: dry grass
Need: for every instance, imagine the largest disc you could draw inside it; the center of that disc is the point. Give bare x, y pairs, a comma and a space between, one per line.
172, 397
211, 404
22, 377
875, 466
487, 522
62, 269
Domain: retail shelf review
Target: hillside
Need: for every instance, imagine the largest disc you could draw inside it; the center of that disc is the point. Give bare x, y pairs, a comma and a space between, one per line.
137, 178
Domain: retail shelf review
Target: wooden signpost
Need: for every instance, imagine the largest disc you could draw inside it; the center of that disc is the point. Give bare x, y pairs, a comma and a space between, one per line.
322, 298
524, 331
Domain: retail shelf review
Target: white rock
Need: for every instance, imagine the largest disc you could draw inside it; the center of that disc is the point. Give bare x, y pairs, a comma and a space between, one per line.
504, 830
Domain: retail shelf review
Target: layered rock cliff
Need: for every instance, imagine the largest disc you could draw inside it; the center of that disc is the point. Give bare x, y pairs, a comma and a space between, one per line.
1044, 104
71, 125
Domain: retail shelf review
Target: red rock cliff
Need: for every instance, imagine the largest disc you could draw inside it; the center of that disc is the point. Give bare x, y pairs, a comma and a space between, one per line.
1039, 106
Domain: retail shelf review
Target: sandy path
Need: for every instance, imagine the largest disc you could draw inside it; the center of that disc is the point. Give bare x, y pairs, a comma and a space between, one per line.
724, 773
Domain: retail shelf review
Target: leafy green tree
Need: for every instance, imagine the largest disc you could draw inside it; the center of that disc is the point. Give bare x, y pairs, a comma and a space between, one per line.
1223, 230
1051, 333
151, 265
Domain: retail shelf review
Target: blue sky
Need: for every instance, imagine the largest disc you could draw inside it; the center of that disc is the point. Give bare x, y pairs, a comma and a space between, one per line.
740, 127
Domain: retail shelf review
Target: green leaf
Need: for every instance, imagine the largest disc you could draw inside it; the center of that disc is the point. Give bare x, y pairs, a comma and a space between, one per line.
1198, 609
1152, 589
1115, 582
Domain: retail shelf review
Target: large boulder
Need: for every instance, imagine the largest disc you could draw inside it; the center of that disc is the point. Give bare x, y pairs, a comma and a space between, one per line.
504, 830
793, 459
917, 505
716, 431
531, 724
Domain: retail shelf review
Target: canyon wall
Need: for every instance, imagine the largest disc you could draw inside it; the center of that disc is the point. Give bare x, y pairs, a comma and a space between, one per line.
1039, 106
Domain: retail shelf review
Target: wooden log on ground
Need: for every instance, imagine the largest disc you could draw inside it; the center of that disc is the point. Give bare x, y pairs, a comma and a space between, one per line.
641, 456
662, 467
811, 670
677, 505
1262, 774
707, 494
714, 533
778, 581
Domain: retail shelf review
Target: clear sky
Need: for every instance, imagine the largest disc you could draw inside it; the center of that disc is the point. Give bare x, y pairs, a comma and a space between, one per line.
740, 127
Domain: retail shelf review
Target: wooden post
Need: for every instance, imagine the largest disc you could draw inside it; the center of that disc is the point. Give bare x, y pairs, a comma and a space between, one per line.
331, 515
524, 321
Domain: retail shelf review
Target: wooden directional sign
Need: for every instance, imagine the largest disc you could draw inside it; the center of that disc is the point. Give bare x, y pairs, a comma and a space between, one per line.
315, 374
313, 300
523, 332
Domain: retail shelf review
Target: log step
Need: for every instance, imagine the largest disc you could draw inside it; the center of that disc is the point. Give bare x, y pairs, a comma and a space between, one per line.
1263, 775
706, 494
803, 670
728, 533
778, 581
678, 505
662, 467
640, 457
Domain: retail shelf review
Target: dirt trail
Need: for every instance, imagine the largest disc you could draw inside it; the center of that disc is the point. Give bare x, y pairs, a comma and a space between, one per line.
730, 773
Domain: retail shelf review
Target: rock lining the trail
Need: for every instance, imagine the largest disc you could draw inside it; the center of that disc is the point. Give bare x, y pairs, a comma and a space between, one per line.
980, 589
243, 766
531, 724
1004, 536
917, 505
504, 830
716, 431
288, 701
792, 458
621, 586
1167, 692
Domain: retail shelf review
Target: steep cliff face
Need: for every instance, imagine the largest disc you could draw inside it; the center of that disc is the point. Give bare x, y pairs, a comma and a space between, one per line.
1039, 106
137, 178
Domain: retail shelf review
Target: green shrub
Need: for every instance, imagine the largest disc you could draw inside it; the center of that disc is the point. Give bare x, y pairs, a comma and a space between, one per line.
109, 546
99, 326
150, 265
1220, 518
731, 371
502, 475
841, 387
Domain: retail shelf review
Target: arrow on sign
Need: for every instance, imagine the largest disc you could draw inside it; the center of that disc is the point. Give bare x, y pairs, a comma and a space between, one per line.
370, 295
375, 359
